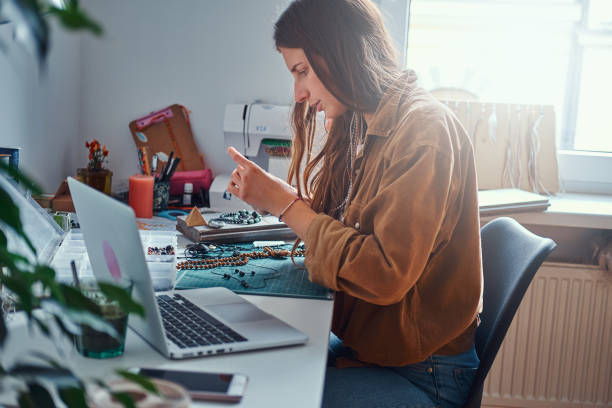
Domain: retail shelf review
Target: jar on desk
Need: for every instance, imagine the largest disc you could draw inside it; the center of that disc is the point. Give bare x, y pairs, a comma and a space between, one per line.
100, 179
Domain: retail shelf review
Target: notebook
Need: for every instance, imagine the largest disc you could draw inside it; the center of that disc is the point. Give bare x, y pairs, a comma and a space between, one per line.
510, 200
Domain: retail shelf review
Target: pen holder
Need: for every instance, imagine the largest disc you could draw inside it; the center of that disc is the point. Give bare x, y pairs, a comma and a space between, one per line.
161, 193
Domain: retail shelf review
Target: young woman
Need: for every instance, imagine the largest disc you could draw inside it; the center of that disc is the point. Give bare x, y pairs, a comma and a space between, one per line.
387, 211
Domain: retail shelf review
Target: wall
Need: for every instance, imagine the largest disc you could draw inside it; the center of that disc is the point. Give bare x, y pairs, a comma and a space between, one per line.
39, 112
203, 54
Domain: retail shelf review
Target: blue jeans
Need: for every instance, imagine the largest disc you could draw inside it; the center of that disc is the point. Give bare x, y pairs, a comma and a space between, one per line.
439, 381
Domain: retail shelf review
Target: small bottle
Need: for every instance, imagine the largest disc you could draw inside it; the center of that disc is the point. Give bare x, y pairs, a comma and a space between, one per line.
187, 194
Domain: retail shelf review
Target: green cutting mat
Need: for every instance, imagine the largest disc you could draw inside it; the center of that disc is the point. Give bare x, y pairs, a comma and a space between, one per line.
273, 277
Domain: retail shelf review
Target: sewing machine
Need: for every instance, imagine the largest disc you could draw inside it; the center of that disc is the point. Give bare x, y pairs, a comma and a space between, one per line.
262, 133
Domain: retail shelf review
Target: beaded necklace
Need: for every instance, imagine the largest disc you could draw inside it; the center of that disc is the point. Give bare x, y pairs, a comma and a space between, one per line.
350, 160
237, 259
239, 217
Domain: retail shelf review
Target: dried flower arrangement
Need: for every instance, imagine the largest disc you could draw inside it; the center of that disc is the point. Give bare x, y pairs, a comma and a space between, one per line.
97, 155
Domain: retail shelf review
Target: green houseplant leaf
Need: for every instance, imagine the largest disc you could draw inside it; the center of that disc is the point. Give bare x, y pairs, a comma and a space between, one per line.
122, 296
34, 372
3, 330
73, 18
3, 240
20, 283
124, 398
25, 401
141, 380
73, 396
30, 26
68, 307
40, 396
72, 318
9, 215
20, 178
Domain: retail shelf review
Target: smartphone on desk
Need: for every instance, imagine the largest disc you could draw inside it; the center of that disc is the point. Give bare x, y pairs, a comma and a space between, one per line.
202, 386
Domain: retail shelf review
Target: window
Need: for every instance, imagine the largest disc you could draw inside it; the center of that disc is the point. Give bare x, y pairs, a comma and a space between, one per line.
555, 52
594, 47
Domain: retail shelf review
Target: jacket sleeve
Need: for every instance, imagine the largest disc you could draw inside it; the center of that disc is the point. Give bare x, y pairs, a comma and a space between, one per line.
404, 219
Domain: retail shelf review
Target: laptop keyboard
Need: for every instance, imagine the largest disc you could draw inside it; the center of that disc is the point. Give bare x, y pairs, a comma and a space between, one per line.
187, 325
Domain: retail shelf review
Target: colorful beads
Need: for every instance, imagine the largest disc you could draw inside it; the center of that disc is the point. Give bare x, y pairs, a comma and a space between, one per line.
237, 260
167, 250
240, 217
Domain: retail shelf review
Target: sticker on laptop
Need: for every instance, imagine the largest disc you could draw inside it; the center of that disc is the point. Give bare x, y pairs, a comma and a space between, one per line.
111, 261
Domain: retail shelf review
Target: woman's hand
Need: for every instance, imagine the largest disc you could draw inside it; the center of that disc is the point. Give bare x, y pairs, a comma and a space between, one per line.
250, 183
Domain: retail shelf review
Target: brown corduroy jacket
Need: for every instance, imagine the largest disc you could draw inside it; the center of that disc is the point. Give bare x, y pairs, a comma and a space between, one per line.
406, 260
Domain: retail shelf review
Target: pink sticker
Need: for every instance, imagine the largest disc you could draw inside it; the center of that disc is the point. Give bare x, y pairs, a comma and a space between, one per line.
111, 261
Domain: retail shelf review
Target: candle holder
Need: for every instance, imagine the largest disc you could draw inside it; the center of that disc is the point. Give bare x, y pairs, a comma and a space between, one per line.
141, 195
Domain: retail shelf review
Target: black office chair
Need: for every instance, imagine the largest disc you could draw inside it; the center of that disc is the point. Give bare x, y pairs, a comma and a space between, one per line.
511, 255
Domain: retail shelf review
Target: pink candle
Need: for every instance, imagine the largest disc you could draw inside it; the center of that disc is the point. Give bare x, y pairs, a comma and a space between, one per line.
141, 195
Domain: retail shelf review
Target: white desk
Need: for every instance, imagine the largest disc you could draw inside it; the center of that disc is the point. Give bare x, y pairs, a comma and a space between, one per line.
282, 377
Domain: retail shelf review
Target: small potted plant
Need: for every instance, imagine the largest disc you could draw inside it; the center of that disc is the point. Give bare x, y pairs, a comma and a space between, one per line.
95, 174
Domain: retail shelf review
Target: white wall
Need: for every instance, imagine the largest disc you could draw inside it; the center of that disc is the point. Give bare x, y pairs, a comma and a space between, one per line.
39, 113
203, 54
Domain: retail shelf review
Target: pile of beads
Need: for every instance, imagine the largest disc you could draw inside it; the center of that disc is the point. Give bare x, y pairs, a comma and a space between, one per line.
240, 217
167, 250
238, 259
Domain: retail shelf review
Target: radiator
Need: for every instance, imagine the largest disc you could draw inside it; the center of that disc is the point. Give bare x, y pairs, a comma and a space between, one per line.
558, 350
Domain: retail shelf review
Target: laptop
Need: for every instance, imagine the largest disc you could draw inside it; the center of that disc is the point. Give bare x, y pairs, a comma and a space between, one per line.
181, 324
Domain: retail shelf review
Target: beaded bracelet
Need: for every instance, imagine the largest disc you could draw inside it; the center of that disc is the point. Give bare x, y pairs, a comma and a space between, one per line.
288, 207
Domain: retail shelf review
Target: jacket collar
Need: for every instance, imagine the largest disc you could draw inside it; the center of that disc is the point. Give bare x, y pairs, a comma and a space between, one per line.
387, 112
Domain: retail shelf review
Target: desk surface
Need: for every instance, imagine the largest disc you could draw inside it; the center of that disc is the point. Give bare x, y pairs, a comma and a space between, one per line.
280, 377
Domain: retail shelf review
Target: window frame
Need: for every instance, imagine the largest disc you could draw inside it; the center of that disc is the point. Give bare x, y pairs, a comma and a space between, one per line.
579, 171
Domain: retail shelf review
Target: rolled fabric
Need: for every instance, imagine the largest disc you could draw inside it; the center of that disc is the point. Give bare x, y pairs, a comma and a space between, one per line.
141, 195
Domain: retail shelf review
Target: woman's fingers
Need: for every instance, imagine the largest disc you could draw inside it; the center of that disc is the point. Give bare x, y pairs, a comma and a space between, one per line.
235, 183
239, 175
233, 189
235, 177
237, 157
252, 184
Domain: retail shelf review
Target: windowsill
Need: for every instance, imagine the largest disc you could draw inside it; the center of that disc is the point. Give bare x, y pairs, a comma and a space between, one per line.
570, 210
585, 172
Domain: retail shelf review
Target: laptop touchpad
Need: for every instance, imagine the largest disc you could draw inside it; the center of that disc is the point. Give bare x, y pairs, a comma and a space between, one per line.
238, 312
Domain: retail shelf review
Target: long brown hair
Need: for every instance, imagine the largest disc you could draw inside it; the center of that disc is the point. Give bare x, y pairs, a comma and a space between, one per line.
351, 52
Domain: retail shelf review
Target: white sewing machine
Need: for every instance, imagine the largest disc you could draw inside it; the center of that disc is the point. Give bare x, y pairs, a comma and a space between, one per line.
248, 128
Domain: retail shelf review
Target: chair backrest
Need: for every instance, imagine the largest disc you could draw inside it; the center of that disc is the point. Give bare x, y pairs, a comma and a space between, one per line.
511, 255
